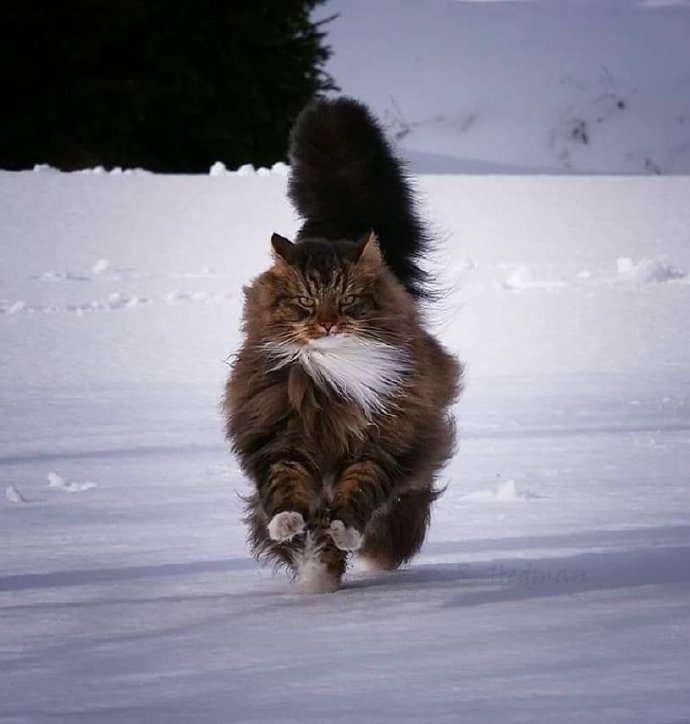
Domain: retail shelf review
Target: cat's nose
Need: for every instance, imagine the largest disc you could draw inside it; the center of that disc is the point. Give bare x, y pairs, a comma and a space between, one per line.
327, 326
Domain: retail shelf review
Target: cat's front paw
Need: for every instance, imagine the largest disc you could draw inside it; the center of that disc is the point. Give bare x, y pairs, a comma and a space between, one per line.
285, 525
347, 539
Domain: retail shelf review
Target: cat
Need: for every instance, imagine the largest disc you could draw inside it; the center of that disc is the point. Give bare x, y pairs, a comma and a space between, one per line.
337, 404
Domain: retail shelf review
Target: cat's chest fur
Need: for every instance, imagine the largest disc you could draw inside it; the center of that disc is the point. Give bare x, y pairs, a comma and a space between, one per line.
364, 374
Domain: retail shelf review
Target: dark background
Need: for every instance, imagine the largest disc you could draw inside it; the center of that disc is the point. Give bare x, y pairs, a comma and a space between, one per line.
171, 86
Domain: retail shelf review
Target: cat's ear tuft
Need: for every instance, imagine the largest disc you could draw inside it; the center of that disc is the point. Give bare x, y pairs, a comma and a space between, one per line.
368, 251
283, 248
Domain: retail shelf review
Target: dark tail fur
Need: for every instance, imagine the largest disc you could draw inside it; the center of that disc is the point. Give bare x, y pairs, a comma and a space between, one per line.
345, 181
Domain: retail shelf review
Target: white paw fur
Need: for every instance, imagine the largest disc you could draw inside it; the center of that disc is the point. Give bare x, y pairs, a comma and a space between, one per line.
347, 539
313, 575
285, 525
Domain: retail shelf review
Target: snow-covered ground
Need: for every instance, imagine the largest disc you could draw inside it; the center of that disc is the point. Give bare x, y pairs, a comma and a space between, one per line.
515, 86
555, 584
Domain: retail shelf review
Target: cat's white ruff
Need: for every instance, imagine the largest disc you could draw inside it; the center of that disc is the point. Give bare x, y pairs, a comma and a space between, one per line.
363, 370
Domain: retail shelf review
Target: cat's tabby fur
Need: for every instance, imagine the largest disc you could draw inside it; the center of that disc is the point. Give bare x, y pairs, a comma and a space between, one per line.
337, 403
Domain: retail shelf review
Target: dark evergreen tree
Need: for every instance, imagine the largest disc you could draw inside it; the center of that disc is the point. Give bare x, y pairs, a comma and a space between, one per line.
170, 85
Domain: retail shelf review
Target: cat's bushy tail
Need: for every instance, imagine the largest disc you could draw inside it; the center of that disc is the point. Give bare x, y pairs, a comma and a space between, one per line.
346, 180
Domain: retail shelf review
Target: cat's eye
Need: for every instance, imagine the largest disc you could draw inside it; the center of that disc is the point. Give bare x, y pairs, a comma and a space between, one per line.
348, 300
306, 301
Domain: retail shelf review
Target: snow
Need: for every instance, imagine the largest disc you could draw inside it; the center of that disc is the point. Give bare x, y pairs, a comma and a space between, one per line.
14, 495
648, 270
555, 582
537, 86
55, 480
102, 265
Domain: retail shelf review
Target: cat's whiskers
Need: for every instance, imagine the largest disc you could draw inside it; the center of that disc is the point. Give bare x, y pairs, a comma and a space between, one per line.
293, 336
378, 335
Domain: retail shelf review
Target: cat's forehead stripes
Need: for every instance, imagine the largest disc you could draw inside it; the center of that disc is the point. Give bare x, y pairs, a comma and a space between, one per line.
324, 267
312, 281
335, 281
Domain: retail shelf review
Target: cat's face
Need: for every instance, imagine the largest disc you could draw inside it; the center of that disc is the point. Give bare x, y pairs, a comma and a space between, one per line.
324, 289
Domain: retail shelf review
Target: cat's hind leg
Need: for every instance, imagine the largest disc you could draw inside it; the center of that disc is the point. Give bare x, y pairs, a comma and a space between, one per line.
395, 533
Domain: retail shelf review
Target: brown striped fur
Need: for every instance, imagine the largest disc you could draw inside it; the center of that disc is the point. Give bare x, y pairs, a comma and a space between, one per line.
306, 448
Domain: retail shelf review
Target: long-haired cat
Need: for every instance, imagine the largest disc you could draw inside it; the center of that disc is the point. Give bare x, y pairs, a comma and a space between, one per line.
337, 403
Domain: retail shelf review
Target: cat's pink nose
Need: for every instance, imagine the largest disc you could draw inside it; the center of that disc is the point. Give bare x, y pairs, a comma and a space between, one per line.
327, 326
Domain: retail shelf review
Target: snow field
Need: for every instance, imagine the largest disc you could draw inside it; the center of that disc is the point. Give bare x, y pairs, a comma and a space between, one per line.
555, 582
545, 86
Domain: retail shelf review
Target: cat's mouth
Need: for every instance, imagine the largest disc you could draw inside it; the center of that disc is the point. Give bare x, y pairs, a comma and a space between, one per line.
330, 342
322, 331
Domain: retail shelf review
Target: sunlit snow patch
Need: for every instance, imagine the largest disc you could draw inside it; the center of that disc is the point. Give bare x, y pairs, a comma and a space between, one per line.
218, 169
505, 492
648, 270
523, 278
16, 307
120, 300
102, 265
14, 495
59, 483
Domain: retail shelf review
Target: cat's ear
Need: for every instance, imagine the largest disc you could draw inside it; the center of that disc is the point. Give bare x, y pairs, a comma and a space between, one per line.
368, 251
283, 248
